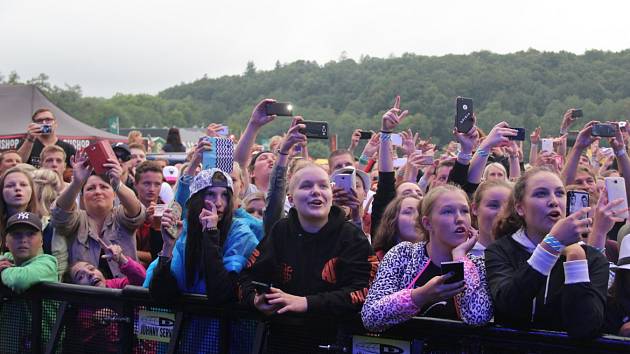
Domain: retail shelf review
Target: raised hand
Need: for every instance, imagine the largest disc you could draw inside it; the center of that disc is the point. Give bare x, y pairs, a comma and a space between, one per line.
113, 252
567, 120
498, 136
259, 114
213, 130
467, 141
371, 148
293, 135
534, 137
114, 171
354, 139
569, 229
409, 141
393, 117
208, 218
81, 168
584, 138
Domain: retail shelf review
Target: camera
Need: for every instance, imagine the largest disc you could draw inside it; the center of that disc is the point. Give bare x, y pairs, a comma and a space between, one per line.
46, 128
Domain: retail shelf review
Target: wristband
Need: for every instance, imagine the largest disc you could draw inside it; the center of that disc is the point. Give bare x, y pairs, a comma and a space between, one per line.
553, 244
482, 153
464, 157
386, 136
384, 132
363, 160
621, 152
282, 153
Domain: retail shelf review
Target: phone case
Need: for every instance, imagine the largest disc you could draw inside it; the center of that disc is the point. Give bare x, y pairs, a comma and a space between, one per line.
616, 188
98, 153
315, 129
220, 156
345, 181
520, 136
464, 114
547, 145
603, 130
576, 200
456, 267
279, 109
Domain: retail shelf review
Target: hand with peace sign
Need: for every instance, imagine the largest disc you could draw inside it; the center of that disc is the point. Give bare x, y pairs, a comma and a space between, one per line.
113, 252
393, 117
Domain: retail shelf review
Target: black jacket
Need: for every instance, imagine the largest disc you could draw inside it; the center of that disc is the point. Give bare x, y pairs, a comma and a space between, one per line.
332, 268
575, 308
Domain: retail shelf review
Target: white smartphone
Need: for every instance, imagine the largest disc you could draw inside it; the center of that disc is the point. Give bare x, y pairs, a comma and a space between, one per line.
616, 189
400, 162
547, 145
345, 181
224, 131
396, 139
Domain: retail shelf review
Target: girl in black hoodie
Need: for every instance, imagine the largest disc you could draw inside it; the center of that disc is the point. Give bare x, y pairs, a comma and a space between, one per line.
539, 275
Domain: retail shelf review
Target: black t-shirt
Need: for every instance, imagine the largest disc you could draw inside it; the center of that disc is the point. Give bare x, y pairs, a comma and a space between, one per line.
439, 309
33, 159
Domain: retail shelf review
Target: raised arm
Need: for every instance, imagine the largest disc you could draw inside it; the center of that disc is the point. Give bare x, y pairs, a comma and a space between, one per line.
498, 136
81, 170
258, 119
582, 142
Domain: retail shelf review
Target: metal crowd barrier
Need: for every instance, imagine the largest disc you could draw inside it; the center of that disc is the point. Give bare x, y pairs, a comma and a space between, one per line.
63, 318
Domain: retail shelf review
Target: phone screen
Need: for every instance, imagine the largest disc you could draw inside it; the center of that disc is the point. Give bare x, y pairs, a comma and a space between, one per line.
279, 109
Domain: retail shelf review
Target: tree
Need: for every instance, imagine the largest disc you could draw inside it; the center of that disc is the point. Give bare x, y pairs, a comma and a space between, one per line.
250, 70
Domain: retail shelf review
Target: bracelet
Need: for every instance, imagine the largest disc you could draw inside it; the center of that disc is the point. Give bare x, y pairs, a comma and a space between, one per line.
363, 160
482, 153
464, 157
211, 229
386, 136
384, 132
621, 152
282, 153
554, 245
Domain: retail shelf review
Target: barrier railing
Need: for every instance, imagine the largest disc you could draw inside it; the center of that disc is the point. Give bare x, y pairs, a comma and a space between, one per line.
63, 318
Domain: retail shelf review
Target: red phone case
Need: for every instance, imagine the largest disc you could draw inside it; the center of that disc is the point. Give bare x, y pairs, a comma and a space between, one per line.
98, 153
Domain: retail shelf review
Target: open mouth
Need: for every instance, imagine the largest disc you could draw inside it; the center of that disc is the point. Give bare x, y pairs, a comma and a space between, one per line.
95, 282
554, 215
460, 230
316, 203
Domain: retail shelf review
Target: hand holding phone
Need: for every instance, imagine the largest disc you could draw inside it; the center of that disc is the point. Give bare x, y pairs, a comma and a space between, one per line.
315, 129
365, 135
604, 130
616, 189
456, 267
464, 121
284, 109
262, 288
520, 134
547, 145
346, 181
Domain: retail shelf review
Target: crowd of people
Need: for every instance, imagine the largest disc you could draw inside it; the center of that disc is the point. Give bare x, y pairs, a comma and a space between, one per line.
275, 233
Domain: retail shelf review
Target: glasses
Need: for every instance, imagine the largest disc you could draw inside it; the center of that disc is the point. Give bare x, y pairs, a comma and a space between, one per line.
44, 120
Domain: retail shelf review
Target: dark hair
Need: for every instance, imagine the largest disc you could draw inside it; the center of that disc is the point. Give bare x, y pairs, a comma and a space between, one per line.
194, 233
173, 137
387, 234
147, 166
41, 110
620, 290
4, 153
508, 220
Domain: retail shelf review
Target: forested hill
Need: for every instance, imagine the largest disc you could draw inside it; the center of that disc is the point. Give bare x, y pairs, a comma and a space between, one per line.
527, 89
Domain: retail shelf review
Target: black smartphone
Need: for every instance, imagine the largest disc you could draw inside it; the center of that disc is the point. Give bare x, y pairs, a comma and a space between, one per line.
577, 200
262, 288
577, 113
464, 114
315, 129
365, 135
279, 109
603, 130
520, 136
457, 267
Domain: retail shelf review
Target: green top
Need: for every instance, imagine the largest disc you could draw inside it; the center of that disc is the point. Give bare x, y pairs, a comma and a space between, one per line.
42, 268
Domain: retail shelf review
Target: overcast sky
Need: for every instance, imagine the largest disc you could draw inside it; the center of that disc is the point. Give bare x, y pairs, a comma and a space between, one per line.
141, 46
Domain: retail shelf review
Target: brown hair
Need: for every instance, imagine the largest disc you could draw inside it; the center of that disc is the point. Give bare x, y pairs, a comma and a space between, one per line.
387, 234
32, 205
41, 110
508, 220
429, 200
137, 146
336, 153
147, 166
4, 153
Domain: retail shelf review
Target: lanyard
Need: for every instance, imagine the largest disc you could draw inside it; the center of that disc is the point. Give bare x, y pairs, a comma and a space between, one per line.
413, 282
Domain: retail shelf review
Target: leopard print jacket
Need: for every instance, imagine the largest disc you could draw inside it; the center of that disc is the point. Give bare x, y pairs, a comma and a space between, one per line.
389, 301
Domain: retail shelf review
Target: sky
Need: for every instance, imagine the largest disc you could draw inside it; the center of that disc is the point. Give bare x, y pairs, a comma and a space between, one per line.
141, 46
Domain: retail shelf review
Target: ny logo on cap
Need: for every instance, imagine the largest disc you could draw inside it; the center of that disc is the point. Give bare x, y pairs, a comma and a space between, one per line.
22, 216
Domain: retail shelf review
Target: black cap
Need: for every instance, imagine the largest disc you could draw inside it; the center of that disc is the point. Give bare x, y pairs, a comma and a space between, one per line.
24, 218
122, 151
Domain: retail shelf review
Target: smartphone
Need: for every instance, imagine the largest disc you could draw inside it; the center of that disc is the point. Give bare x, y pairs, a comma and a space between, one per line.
520, 136
457, 267
622, 125
365, 135
176, 210
577, 113
224, 131
577, 200
464, 114
400, 162
396, 139
347, 181
98, 154
279, 109
315, 129
46, 128
427, 159
221, 154
616, 189
262, 288
604, 130
547, 145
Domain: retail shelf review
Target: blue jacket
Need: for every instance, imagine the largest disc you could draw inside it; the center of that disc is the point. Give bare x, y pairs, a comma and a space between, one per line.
241, 241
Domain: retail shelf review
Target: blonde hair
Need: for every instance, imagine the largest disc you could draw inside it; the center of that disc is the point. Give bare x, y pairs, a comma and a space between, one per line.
294, 180
486, 171
47, 185
32, 205
428, 201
